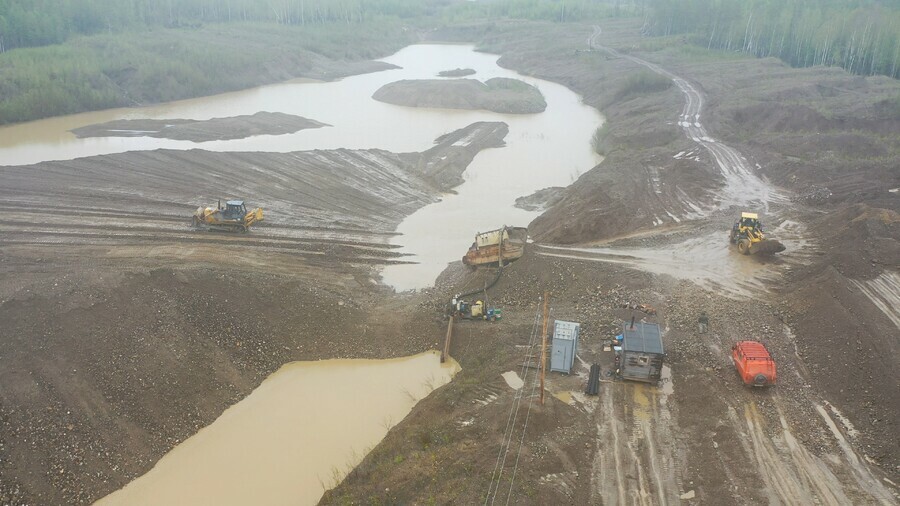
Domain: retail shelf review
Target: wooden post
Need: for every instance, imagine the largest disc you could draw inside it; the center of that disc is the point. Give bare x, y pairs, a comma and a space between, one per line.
500, 251
544, 342
446, 352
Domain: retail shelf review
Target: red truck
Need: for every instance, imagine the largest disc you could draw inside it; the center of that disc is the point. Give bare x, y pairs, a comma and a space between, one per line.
754, 364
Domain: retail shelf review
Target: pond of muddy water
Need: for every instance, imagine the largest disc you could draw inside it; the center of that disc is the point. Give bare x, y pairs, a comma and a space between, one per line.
299, 432
547, 149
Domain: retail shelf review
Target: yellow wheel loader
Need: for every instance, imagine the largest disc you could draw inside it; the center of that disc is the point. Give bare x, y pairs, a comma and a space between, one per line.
233, 217
747, 235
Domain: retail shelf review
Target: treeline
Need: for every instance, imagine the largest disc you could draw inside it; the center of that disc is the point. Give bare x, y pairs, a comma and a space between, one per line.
31, 23
67, 56
562, 11
861, 36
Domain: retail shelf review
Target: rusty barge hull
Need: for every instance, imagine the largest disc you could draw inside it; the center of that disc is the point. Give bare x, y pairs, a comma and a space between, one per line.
505, 244
492, 254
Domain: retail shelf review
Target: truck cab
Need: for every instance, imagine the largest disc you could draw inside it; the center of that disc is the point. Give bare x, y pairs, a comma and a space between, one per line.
753, 363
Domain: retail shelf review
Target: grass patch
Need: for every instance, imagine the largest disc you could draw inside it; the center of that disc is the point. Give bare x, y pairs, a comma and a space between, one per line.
645, 81
639, 83
888, 108
430, 437
654, 44
599, 140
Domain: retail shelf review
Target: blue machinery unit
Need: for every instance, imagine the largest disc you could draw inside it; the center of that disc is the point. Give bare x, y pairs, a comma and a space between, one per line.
565, 346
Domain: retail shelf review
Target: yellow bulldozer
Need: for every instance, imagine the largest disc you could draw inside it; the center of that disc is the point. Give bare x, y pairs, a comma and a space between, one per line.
747, 234
233, 217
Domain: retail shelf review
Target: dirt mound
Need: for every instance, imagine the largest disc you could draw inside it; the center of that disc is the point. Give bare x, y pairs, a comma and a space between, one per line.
850, 347
780, 118
541, 199
457, 72
860, 241
444, 164
498, 95
237, 127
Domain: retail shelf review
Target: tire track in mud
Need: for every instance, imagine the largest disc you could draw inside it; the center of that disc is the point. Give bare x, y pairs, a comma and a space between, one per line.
742, 186
860, 470
634, 456
793, 475
60, 229
170, 249
608, 441
706, 260
884, 292
350, 253
26, 208
148, 230
702, 261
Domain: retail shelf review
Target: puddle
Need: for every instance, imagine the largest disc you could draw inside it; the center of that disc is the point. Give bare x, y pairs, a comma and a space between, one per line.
297, 434
707, 260
641, 405
513, 380
565, 396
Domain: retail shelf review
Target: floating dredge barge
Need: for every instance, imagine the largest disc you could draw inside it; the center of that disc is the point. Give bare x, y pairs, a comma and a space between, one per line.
497, 246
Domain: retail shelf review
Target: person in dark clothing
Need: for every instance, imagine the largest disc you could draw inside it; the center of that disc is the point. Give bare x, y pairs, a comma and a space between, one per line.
703, 323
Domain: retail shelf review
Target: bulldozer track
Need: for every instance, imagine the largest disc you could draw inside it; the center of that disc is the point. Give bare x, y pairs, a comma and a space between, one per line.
186, 229
37, 197
51, 210
86, 211
34, 224
319, 255
189, 237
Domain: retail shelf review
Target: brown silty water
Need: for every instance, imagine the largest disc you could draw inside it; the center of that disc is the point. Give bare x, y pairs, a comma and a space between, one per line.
295, 436
706, 260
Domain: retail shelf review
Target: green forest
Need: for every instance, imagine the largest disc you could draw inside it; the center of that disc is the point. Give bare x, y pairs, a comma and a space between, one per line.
30, 23
860, 36
67, 56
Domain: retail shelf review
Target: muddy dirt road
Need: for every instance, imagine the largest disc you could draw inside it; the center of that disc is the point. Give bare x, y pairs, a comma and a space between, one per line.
742, 186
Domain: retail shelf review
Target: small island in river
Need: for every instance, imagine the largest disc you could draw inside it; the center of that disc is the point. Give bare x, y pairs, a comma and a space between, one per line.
499, 94
457, 72
237, 127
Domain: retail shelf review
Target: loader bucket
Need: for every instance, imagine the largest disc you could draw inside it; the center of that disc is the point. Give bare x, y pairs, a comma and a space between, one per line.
767, 247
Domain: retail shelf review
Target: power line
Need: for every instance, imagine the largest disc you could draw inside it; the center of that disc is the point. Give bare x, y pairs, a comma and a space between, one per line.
513, 414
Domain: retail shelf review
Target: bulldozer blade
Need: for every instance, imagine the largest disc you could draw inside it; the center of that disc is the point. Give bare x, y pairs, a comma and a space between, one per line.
767, 247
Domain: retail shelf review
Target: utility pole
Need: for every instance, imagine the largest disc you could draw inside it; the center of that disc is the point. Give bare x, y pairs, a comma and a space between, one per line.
446, 352
544, 343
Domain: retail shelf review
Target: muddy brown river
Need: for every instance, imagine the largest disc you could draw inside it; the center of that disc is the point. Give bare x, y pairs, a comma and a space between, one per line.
297, 434
551, 148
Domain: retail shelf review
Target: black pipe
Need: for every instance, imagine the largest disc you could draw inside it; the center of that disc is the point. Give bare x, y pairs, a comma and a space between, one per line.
486, 288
